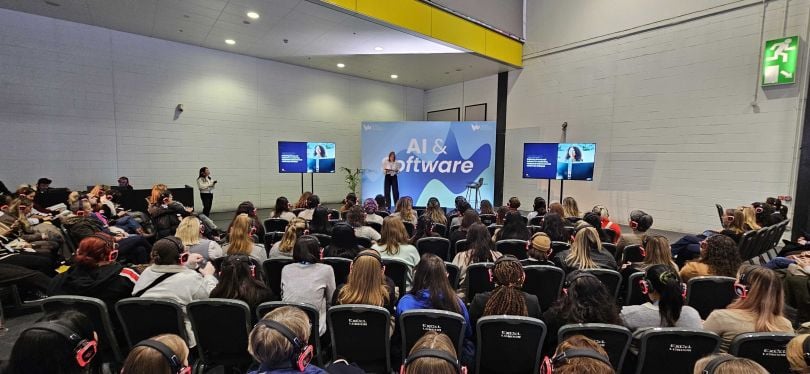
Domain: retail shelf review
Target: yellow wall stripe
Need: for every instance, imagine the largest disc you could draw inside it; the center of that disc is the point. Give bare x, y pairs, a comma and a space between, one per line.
348, 4
410, 14
503, 48
457, 31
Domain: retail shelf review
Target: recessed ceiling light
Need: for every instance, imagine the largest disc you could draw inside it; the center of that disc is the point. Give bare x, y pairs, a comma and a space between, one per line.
378, 48
230, 41
253, 15
394, 76
341, 65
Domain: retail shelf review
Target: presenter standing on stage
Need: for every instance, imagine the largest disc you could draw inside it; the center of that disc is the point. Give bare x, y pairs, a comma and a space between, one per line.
391, 169
206, 186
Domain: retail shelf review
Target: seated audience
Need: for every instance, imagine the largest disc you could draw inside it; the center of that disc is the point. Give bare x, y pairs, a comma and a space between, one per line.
571, 210
554, 227
435, 212
394, 244
467, 220
597, 362
284, 247
557, 208
734, 224
31, 283
371, 208
513, 204
479, 249
279, 339
485, 207
425, 359
404, 210
424, 229
282, 209
538, 209
240, 279
348, 202
539, 250
718, 256
728, 364
307, 280
356, 217
456, 211
257, 228
52, 344
500, 216
657, 252
798, 354
607, 224
507, 297
592, 219
640, 222
14, 251
381, 205
166, 213
367, 283
663, 287
758, 308
131, 248
169, 278
320, 222
240, 239
750, 218
303, 201
586, 253
15, 219
190, 232
514, 227
343, 243
166, 353
462, 207
313, 201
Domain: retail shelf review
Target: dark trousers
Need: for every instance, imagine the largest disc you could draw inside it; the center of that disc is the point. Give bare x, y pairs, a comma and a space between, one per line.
391, 185
207, 200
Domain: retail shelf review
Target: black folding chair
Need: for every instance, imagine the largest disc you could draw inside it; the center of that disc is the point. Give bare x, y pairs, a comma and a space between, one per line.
145, 317
452, 274
766, 348
275, 224
612, 279
364, 242
383, 213
461, 245
613, 338
374, 225
440, 229
708, 293
409, 227
558, 247
314, 321
493, 228
435, 245
272, 272
509, 344
398, 271
488, 219
536, 221
360, 334
340, 266
270, 238
323, 239
721, 214
674, 350
415, 323
634, 295
610, 247
333, 214
633, 253
545, 282
454, 228
478, 279
514, 247
221, 328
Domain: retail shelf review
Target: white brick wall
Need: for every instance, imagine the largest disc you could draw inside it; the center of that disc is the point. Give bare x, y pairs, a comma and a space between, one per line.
84, 105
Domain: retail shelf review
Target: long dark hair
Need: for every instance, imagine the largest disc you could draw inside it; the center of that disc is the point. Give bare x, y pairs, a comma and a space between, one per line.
577, 153
344, 242
424, 228
282, 205
468, 219
554, 227
507, 297
667, 284
240, 279
430, 275
307, 249
514, 227
595, 221
722, 256
540, 206
587, 301
479, 243
246, 207
320, 221
202, 172
28, 356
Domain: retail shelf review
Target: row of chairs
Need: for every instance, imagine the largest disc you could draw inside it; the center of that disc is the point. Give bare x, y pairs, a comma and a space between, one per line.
758, 242
360, 333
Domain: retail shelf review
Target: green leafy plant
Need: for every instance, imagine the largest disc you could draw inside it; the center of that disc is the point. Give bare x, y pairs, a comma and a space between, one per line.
352, 178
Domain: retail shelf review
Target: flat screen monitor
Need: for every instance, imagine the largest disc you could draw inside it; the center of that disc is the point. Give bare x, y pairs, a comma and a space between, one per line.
306, 157
540, 160
575, 161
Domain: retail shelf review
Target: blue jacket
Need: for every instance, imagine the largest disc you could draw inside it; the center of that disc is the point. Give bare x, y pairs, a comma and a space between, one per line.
310, 369
410, 302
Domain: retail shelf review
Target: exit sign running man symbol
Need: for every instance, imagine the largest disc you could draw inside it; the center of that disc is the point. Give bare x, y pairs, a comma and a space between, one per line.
779, 61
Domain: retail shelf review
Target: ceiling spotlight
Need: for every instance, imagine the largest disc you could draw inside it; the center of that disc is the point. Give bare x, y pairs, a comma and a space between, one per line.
378, 48
341, 65
394, 76
253, 15
230, 41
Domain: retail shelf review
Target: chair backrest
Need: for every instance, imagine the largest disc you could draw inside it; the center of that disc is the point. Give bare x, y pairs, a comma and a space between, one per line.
96, 310
558, 247
514, 247
536, 221
298, 211
398, 271
311, 311
721, 213
409, 227
374, 225
633, 253
461, 245
452, 274
488, 219
221, 328
612, 279
610, 247
454, 228
145, 317
334, 214
340, 267
275, 224
545, 282
272, 272
364, 242
440, 229
611, 236
634, 295
271, 237
478, 279
708, 293
323, 239
509, 344
382, 213
760, 242
613, 338
746, 245
493, 228
360, 334
674, 350
435, 245
766, 348
415, 323
480, 182
534, 229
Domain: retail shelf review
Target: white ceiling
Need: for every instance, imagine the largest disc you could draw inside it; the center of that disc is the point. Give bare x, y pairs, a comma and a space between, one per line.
294, 31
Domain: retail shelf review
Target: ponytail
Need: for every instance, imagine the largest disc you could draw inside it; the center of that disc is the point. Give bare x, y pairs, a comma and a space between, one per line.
507, 297
668, 285
294, 228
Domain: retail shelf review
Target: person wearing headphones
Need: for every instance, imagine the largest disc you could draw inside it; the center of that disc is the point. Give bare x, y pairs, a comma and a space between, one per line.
575, 355
586, 253
247, 207
279, 343
663, 287
367, 284
539, 250
356, 217
165, 212
240, 279
640, 222
190, 232
62, 342
757, 309
607, 224
284, 247
307, 280
433, 353
240, 239
507, 297
727, 364
538, 209
798, 354
176, 276
435, 212
718, 256
313, 201
166, 353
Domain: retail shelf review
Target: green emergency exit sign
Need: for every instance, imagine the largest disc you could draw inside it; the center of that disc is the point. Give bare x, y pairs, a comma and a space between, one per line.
779, 61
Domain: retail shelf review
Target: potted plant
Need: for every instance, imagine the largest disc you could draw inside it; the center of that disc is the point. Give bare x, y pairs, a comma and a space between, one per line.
352, 178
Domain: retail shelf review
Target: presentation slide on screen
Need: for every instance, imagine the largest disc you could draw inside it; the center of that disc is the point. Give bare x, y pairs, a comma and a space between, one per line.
434, 158
306, 157
566, 161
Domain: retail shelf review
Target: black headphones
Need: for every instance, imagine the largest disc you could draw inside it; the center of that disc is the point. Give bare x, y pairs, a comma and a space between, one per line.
111, 246
368, 255
806, 349
503, 258
432, 353
84, 349
181, 250
175, 364
716, 362
562, 358
572, 278
301, 353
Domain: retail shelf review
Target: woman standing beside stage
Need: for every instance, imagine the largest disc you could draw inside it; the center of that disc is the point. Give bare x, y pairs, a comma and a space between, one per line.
206, 186
391, 169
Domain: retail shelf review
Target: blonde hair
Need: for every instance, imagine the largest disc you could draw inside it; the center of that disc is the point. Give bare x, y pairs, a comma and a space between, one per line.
393, 234
14, 211
586, 239
765, 300
736, 365
796, 354
295, 228
189, 231
147, 360
405, 209
570, 208
267, 345
658, 252
432, 365
366, 283
578, 365
157, 190
241, 242
750, 218
737, 224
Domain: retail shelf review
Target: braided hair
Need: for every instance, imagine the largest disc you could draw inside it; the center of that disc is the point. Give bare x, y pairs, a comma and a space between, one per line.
507, 297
